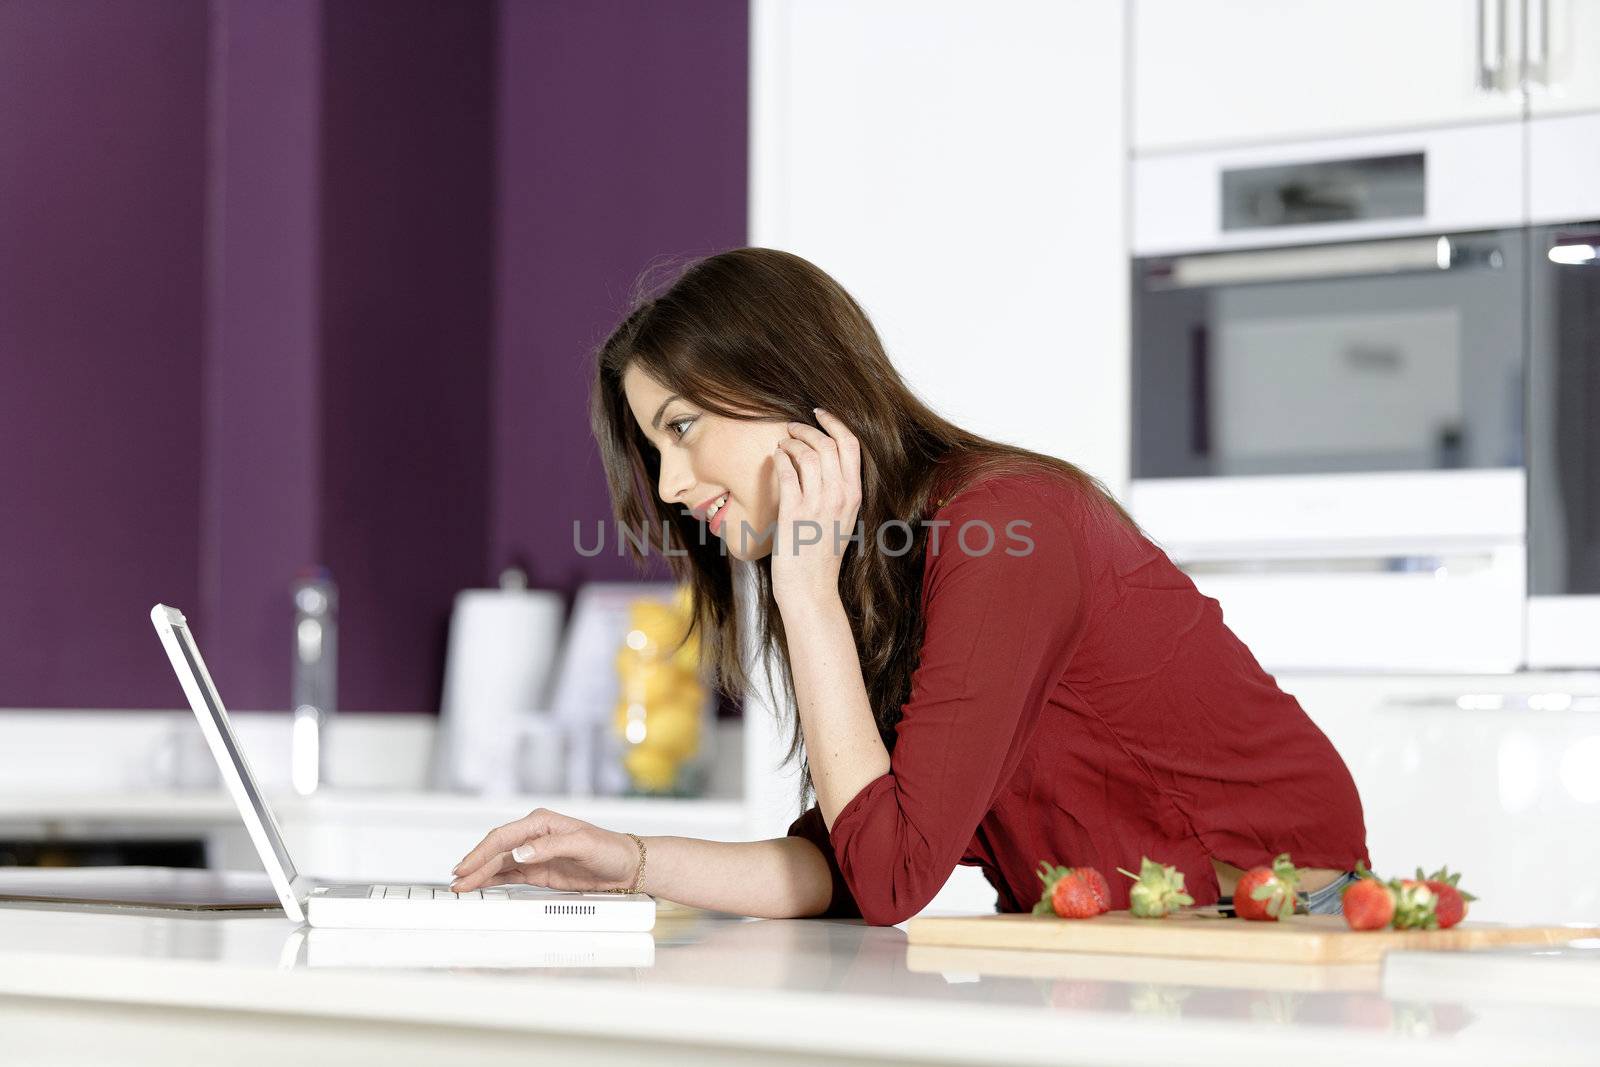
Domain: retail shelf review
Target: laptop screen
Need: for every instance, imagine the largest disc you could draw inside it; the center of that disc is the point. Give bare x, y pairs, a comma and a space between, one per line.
202, 678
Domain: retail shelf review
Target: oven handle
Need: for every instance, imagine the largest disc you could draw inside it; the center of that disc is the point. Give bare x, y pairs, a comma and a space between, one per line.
1355, 259
1200, 390
1575, 250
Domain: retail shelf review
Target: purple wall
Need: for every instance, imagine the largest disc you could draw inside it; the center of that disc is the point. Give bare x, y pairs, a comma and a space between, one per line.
407, 216
102, 195
622, 139
263, 440
309, 284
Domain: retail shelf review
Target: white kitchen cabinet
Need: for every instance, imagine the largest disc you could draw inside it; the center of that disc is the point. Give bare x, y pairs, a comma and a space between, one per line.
1496, 776
1563, 73
961, 170
1214, 72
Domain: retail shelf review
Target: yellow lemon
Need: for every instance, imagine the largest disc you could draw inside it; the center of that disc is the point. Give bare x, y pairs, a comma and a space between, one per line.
628, 659
658, 620
650, 769
687, 656
653, 682
673, 728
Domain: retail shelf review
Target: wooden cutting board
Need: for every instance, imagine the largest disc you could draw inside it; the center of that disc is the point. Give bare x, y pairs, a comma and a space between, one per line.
1205, 935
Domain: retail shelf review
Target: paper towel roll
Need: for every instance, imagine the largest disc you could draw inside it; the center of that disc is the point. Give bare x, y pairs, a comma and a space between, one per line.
497, 669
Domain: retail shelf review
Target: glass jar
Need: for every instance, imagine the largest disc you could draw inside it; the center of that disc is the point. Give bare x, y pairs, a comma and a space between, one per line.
663, 723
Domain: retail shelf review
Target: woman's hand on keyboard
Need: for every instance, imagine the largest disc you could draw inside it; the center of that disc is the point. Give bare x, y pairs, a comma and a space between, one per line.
552, 850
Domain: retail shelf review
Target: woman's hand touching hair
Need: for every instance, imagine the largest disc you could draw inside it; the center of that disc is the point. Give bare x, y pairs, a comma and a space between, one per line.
546, 848
819, 495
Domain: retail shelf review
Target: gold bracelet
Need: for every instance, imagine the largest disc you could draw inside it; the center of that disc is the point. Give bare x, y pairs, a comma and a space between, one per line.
638, 877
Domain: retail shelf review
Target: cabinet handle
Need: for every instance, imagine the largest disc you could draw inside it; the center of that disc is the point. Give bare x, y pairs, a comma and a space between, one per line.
1538, 64
1491, 57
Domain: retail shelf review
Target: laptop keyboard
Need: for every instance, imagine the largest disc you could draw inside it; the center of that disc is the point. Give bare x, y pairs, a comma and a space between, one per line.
429, 892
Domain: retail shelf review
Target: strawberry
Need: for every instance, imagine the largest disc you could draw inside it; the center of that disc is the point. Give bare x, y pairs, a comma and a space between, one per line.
1415, 905
1072, 892
1450, 903
1267, 894
1368, 904
1157, 889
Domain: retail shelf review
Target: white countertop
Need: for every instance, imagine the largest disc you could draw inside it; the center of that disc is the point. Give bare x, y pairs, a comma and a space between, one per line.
414, 806
720, 985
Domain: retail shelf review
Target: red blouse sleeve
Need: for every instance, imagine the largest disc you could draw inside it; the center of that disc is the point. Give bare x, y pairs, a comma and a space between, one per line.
1000, 626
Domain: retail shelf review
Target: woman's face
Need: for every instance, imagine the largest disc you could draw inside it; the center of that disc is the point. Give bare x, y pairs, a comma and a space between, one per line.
705, 456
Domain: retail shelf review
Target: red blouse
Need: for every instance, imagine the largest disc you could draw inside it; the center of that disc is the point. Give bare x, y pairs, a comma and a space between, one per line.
1082, 703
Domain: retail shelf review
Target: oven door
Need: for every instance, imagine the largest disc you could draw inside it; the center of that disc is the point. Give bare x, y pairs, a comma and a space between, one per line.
1564, 446
1329, 440
1402, 354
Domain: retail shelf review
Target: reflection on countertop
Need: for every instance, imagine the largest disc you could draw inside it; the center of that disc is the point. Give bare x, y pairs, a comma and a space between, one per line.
831, 987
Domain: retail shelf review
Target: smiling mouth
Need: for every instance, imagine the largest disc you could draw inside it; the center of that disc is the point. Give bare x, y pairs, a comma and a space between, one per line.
715, 510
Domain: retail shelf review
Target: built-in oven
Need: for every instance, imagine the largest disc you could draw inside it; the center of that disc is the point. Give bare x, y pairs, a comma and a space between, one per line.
1564, 444
1363, 386
1380, 355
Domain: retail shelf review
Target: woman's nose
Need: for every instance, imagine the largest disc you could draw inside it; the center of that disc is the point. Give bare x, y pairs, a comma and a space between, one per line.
674, 482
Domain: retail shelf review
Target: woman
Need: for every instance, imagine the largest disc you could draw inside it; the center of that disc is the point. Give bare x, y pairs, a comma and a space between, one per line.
999, 668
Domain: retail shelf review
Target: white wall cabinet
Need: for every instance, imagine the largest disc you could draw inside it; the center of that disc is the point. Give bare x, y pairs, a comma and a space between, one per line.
1219, 72
961, 169
1563, 56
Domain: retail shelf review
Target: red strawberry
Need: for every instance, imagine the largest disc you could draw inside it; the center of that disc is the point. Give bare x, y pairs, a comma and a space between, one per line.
1415, 905
1267, 893
1368, 904
1157, 889
1450, 904
1072, 892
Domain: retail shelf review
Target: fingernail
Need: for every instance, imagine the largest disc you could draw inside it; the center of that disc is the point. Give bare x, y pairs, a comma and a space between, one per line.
454, 884
522, 853
818, 411
457, 868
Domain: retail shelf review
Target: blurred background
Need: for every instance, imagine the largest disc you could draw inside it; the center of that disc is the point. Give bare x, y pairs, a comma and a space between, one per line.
314, 283
297, 298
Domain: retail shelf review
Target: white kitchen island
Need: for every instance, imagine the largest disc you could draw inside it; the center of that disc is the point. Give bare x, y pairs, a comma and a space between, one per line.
79, 986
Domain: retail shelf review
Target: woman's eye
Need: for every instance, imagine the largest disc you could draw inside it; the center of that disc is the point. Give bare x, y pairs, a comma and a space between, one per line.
675, 425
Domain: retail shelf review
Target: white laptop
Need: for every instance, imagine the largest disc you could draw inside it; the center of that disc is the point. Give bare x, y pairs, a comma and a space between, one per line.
386, 907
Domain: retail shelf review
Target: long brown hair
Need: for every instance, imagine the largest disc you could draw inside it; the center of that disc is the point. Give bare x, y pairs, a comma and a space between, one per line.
765, 331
